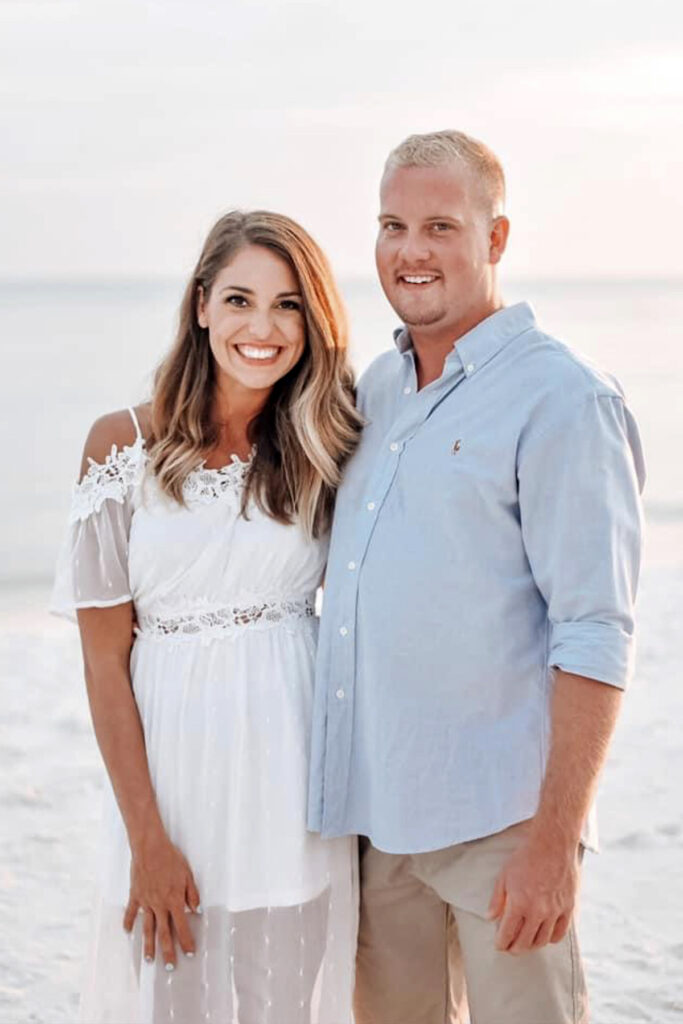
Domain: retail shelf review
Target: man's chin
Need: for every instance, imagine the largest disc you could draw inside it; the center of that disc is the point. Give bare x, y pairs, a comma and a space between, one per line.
421, 318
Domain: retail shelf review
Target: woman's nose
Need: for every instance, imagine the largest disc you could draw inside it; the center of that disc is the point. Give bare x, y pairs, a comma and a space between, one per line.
260, 326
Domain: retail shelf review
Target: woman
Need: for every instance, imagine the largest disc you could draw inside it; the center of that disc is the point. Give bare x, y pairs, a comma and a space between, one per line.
199, 527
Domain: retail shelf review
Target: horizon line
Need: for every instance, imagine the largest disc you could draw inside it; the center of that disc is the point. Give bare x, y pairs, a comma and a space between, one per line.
169, 279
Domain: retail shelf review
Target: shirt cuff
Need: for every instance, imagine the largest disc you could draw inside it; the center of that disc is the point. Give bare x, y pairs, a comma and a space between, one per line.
593, 649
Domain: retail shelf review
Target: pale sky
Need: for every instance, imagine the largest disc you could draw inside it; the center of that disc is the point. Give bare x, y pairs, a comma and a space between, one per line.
128, 127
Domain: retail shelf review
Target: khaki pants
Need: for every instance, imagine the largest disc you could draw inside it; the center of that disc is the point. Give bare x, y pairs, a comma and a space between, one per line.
426, 950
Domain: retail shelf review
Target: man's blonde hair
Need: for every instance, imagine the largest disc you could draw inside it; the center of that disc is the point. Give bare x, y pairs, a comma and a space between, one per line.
438, 149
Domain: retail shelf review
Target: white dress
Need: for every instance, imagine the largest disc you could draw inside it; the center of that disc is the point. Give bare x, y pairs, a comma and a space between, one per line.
222, 672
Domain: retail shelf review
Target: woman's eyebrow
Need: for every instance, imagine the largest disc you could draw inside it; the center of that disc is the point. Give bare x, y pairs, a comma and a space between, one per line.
236, 288
250, 291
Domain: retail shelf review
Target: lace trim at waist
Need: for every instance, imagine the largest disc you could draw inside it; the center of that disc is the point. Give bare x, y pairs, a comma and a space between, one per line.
206, 624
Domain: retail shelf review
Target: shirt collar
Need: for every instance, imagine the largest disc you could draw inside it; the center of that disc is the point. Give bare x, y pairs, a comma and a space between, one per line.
479, 345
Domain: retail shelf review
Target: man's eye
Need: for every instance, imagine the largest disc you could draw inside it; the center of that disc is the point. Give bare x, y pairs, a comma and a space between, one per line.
441, 225
392, 225
236, 300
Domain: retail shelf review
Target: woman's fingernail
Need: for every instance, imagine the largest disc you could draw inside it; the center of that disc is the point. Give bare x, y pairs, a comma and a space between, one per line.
200, 909
189, 955
170, 967
149, 959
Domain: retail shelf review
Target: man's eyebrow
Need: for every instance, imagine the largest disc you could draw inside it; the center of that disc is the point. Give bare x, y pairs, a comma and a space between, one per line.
427, 220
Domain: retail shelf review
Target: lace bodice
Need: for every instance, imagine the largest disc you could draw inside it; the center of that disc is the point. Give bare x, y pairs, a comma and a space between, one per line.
198, 570
123, 469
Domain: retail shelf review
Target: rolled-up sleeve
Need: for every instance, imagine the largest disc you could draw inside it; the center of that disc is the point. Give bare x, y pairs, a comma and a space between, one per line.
580, 473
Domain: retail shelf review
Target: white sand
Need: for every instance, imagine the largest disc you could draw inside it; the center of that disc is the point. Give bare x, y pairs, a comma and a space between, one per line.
632, 916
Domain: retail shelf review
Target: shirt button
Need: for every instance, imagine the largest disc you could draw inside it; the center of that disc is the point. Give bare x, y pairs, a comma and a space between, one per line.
470, 367
393, 447
343, 631
406, 391
370, 506
351, 565
340, 695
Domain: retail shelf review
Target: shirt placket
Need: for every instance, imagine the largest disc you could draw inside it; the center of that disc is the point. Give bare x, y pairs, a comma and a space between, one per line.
348, 566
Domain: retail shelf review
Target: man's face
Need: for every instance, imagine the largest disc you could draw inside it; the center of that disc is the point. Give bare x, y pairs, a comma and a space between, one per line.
434, 252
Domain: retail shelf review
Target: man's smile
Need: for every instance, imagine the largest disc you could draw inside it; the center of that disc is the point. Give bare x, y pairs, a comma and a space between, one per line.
417, 280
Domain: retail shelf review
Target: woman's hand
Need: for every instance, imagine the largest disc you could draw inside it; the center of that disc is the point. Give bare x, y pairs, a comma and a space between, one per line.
161, 884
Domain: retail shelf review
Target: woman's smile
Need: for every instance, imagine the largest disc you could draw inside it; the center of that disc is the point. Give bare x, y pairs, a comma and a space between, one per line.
263, 354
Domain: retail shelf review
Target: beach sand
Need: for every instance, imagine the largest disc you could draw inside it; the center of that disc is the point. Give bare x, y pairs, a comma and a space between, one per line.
631, 921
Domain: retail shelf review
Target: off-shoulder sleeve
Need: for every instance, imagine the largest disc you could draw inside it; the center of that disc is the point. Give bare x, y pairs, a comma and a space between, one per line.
92, 566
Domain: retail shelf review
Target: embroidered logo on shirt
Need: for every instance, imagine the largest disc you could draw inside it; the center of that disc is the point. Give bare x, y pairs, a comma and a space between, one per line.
456, 447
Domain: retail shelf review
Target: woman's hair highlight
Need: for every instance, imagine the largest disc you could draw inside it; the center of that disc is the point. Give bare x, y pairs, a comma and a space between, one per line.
309, 425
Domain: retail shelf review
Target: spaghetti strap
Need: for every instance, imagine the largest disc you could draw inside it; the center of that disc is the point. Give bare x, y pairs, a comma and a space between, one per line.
136, 424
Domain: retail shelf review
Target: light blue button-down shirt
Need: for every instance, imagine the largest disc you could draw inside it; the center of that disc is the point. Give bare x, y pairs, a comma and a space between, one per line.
486, 529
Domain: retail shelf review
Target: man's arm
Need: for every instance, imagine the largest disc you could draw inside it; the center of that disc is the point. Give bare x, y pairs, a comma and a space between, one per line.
535, 892
580, 470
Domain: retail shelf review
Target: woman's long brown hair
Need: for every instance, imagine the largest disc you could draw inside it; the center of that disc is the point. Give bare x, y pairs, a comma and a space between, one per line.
309, 425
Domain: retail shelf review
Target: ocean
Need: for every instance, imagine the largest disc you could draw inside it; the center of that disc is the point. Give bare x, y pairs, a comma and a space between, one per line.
72, 351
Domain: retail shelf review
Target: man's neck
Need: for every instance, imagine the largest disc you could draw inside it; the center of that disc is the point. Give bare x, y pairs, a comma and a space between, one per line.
434, 344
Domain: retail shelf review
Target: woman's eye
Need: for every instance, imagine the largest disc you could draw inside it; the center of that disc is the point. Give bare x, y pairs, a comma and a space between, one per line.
236, 300
290, 304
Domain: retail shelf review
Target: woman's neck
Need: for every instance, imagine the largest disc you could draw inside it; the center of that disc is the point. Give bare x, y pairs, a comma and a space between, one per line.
235, 405
233, 409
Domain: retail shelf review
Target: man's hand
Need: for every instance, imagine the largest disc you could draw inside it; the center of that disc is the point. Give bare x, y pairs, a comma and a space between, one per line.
534, 895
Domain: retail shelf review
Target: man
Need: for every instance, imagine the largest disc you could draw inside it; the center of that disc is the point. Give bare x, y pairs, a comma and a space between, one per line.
477, 627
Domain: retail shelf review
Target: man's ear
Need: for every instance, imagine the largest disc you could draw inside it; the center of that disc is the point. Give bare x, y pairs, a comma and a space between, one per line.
200, 310
500, 229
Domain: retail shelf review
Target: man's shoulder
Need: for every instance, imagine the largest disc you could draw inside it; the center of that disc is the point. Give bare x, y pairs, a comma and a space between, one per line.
562, 372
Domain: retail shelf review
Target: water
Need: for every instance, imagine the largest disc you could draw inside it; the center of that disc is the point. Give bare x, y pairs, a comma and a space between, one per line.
74, 350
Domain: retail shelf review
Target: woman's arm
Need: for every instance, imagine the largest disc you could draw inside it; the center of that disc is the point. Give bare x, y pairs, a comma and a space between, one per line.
161, 880
106, 639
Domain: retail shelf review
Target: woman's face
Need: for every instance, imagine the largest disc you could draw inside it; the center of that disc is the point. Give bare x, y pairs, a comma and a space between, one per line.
254, 315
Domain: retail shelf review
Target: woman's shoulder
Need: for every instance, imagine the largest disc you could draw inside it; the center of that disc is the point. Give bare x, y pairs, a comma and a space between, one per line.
114, 458
114, 432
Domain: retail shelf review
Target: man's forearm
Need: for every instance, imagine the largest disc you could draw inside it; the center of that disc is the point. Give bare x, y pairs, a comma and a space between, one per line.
583, 715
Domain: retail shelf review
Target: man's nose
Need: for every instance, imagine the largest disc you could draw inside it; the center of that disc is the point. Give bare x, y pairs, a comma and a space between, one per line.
414, 248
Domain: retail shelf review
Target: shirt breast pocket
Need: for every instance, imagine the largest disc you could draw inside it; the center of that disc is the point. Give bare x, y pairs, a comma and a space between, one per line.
462, 474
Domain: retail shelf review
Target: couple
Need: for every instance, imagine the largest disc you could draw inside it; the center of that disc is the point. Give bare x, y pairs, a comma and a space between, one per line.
476, 635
